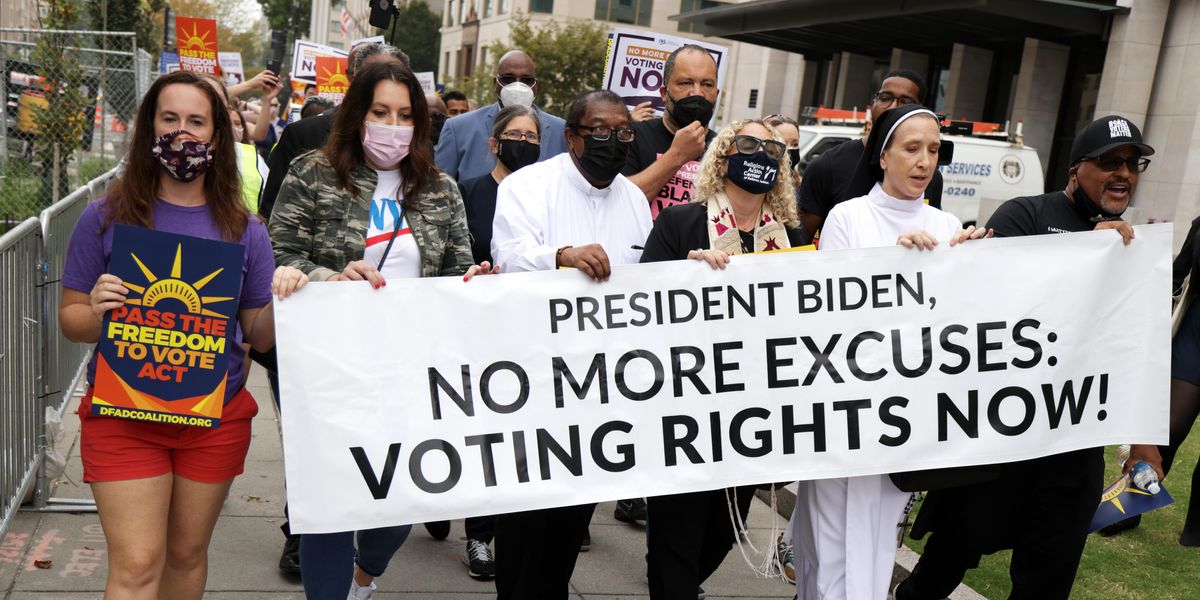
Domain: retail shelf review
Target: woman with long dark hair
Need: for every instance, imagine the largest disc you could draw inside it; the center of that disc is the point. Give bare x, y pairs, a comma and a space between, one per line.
158, 487
369, 206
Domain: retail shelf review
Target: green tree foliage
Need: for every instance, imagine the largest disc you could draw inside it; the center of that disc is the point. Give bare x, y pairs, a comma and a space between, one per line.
569, 61
142, 17
416, 31
61, 121
288, 14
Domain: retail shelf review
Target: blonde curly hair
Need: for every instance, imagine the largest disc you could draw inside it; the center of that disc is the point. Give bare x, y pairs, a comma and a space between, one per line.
711, 181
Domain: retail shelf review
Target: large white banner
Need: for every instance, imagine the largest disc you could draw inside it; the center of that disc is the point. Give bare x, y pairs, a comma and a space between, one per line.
434, 399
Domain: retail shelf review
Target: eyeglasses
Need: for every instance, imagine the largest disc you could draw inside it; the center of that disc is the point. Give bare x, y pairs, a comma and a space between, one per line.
511, 79
886, 98
602, 134
1112, 162
513, 135
748, 144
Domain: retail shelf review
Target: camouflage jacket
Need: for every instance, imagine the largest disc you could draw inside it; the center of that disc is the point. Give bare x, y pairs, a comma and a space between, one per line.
319, 227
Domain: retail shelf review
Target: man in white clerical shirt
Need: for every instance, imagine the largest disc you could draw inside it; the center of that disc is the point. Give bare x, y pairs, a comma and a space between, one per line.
574, 210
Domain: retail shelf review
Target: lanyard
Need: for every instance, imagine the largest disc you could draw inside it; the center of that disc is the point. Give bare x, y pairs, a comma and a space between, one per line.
395, 232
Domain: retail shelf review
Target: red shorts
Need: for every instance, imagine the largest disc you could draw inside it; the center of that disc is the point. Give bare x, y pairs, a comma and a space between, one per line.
119, 449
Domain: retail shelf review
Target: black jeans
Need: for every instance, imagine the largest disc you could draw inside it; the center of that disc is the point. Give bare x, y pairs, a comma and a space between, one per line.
536, 551
688, 536
1039, 508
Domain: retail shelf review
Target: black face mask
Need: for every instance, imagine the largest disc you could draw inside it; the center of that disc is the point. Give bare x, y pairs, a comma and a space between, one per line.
603, 161
794, 157
1088, 209
438, 120
515, 154
692, 108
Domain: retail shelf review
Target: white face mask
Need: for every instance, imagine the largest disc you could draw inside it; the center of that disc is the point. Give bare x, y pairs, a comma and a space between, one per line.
237, 134
516, 94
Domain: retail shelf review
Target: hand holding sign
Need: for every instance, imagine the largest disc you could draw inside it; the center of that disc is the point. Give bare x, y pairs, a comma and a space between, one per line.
108, 293
287, 281
971, 233
921, 240
716, 259
642, 112
1147, 453
591, 259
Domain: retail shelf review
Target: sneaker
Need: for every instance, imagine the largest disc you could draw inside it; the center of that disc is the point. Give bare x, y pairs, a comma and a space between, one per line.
438, 529
1120, 526
358, 592
479, 561
631, 511
289, 560
587, 541
786, 559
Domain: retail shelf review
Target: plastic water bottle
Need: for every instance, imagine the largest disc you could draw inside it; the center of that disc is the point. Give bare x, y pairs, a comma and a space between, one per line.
1144, 477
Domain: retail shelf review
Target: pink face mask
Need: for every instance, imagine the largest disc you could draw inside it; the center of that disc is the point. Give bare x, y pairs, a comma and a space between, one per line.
386, 145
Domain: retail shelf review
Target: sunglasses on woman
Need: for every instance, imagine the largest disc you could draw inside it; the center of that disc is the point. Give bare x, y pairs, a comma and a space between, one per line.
748, 144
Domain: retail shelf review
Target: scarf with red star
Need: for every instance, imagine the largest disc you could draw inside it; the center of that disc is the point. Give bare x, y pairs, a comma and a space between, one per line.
769, 233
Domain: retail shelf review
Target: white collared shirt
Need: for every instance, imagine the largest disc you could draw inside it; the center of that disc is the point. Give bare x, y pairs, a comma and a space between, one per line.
548, 205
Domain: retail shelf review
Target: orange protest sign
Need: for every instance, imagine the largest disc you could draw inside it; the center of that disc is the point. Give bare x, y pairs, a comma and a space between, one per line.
197, 42
332, 82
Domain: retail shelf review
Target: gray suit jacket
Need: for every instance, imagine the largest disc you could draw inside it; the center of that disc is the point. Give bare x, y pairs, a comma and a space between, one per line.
462, 149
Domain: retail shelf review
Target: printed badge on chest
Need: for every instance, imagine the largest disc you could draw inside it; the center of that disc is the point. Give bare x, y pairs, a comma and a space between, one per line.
388, 231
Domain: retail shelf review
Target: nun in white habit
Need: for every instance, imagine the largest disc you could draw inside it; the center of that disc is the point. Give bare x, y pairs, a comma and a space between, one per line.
844, 530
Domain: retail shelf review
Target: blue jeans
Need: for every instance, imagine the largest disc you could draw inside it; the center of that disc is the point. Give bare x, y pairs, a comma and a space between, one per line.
327, 559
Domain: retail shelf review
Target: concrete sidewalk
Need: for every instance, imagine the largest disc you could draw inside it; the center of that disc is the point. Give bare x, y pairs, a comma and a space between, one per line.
62, 556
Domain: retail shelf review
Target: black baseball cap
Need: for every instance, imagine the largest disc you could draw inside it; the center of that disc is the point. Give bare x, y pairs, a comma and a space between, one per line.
1103, 135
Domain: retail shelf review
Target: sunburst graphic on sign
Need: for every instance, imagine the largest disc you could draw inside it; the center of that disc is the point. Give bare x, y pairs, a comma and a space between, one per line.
173, 287
334, 78
196, 41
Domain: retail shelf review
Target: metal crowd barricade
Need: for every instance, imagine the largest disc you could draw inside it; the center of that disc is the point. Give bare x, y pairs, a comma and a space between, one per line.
63, 362
39, 368
20, 351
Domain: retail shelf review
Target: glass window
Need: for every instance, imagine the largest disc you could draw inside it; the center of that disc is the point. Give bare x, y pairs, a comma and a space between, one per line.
634, 12
487, 9
753, 98
541, 6
804, 138
691, 5
502, 7
450, 13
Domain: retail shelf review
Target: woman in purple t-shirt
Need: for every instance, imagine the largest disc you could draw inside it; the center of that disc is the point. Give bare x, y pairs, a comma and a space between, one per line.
159, 487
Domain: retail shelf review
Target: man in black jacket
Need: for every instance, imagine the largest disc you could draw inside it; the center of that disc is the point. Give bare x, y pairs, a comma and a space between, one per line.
1047, 530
